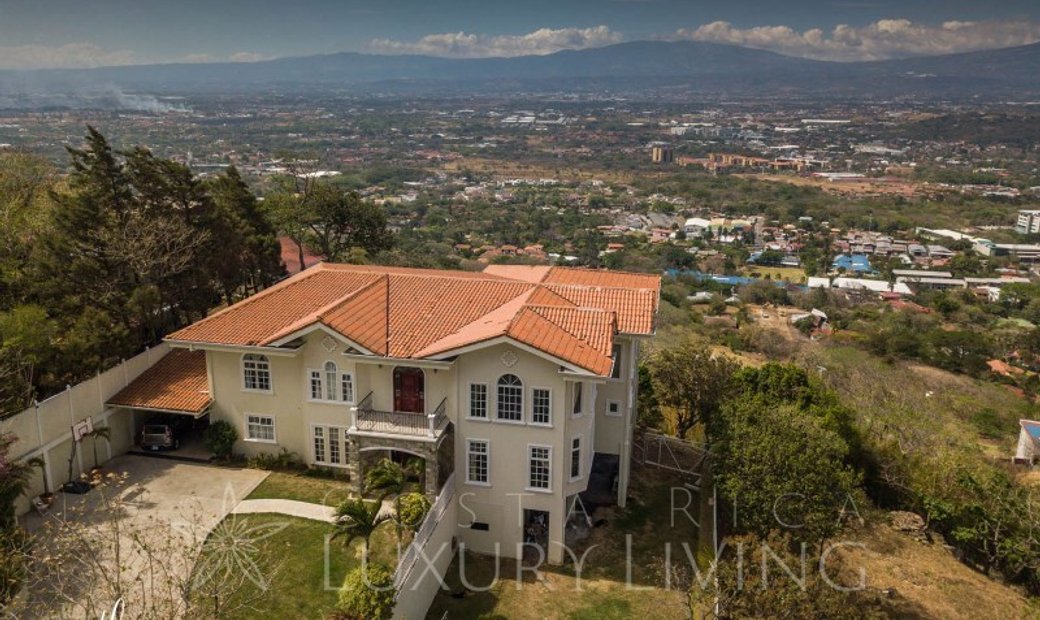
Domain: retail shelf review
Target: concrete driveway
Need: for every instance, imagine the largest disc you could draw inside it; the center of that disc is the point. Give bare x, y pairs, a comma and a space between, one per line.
176, 492
156, 508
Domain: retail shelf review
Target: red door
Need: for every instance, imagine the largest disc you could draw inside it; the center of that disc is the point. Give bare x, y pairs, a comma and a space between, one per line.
409, 390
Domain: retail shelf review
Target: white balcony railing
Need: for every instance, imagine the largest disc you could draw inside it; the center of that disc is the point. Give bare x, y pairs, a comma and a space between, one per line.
365, 418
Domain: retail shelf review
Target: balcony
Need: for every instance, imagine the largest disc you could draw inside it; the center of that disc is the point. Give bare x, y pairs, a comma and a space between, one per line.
365, 419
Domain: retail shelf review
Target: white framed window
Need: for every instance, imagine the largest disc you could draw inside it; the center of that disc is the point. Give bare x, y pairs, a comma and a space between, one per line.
331, 373
346, 387
576, 409
316, 385
510, 398
260, 428
329, 445
539, 468
478, 393
319, 444
615, 371
541, 406
256, 372
328, 385
478, 461
613, 408
576, 458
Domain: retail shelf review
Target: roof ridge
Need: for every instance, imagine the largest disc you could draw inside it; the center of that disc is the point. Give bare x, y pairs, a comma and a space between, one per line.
424, 272
598, 286
252, 299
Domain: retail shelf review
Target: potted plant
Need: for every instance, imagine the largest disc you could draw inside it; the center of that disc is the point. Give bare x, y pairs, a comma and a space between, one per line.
47, 497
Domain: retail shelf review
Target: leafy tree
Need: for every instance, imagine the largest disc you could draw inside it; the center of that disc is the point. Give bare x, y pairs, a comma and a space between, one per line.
367, 594
781, 468
691, 381
26, 344
249, 256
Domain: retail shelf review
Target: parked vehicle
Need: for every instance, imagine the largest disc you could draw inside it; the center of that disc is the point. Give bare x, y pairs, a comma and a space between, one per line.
164, 433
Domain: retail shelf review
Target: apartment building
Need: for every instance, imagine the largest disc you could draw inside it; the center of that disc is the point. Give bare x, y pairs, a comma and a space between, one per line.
519, 380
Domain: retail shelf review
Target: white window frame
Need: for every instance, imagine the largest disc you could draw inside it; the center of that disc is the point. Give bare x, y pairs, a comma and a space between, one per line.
548, 391
344, 457
498, 400
270, 376
319, 377
487, 458
578, 385
617, 353
315, 382
274, 428
570, 464
619, 411
549, 467
347, 377
469, 400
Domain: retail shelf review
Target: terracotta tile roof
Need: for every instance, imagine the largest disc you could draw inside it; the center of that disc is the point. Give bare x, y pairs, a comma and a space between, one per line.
635, 307
177, 382
417, 313
602, 278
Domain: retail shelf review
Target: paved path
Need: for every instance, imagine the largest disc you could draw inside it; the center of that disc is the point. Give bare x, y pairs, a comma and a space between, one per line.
293, 508
305, 510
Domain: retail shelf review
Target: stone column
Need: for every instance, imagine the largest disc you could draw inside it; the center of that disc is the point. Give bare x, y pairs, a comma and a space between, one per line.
433, 471
354, 463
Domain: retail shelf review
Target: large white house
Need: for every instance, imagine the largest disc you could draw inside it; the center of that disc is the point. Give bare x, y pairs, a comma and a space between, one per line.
519, 380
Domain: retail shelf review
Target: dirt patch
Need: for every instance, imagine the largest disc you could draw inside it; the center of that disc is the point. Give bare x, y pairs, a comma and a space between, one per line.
925, 580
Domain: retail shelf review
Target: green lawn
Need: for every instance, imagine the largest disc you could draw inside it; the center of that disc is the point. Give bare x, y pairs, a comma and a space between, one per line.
292, 562
299, 487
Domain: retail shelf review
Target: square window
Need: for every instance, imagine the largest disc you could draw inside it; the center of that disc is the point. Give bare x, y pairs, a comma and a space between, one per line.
260, 428
613, 408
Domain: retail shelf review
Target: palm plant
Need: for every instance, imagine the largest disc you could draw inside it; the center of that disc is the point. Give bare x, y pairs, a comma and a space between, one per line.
388, 478
101, 432
356, 518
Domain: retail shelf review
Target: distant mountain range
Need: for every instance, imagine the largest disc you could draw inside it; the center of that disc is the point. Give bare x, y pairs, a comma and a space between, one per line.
693, 67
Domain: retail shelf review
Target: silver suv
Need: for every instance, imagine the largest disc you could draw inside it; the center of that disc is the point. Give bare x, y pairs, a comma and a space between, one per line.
159, 437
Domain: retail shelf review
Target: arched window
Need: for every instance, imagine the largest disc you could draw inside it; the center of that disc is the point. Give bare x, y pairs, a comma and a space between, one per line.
256, 372
510, 398
331, 373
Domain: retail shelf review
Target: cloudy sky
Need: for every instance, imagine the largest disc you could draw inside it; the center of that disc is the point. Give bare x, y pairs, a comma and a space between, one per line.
79, 33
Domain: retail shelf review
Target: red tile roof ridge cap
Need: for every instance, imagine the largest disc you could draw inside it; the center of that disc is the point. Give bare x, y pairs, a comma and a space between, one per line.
294, 279
431, 272
594, 287
318, 315
609, 271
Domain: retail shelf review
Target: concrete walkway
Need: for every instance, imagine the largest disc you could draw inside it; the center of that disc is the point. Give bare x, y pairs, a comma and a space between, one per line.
293, 508
304, 510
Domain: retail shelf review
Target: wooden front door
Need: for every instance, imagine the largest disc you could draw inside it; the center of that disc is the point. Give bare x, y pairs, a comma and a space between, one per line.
409, 390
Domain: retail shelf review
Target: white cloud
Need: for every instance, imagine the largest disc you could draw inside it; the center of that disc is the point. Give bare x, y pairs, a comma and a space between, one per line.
887, 38
468, 45
70, 55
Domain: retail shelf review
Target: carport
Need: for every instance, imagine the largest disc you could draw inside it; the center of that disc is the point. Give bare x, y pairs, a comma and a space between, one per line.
175, 392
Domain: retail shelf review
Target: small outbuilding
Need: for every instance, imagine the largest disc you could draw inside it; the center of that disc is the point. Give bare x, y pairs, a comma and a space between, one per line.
1028, 438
